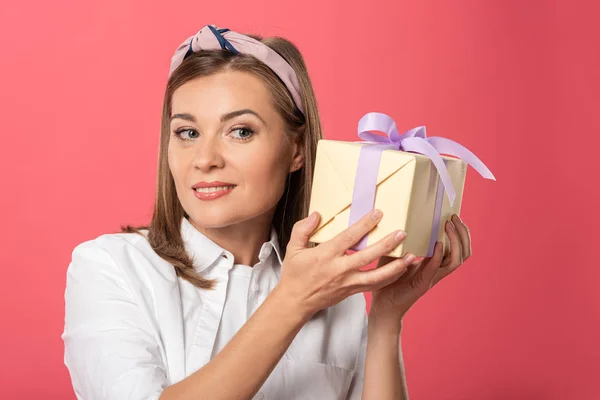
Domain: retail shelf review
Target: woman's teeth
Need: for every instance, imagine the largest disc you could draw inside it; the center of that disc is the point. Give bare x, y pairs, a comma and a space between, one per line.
214, 189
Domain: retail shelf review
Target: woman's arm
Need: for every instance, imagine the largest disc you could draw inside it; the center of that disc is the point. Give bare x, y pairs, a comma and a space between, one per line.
239, 370
384, 366
384, 374
112, 353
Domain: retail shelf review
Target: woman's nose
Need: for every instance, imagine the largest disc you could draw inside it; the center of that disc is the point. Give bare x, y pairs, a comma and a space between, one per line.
208, 153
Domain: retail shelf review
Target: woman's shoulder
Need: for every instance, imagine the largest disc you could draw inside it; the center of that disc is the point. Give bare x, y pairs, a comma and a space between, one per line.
126, 254
111, 244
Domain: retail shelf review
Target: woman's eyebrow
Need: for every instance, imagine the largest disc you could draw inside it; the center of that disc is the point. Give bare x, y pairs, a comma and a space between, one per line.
224, 117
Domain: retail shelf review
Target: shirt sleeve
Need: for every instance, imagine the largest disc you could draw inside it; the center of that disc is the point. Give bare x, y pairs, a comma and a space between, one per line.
109, 348
356, 385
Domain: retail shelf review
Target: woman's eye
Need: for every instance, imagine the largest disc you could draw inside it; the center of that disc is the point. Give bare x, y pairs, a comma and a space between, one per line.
191, 134
243, 133
187, 134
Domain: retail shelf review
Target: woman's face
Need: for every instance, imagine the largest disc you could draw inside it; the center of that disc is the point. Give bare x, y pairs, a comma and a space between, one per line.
224, 128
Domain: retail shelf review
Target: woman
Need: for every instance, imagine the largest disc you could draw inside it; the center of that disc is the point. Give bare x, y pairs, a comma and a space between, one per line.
222, 296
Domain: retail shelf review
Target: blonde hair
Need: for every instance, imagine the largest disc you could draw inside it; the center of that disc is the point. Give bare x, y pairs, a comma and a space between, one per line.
164, 230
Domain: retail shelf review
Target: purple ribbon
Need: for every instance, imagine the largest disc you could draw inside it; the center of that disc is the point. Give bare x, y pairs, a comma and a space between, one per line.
414, 140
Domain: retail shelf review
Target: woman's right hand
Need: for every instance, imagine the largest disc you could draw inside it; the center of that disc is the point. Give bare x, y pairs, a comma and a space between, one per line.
319, 277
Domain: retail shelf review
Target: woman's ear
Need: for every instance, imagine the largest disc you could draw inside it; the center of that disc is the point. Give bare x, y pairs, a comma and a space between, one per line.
298, 156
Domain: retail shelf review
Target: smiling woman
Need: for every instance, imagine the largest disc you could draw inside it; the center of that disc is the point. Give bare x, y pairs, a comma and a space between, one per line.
242, 145
220, 295
254, 129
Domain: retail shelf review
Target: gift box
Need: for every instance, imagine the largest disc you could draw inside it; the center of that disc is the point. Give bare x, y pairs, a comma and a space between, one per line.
406, 176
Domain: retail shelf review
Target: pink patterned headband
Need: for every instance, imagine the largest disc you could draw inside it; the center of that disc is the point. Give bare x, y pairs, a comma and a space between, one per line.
212, 38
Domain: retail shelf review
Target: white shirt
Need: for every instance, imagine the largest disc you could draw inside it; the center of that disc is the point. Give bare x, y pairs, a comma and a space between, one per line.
235, 311
133, 328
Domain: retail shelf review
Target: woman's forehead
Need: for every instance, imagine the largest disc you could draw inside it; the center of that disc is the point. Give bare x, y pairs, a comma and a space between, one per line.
217, 95
230, 84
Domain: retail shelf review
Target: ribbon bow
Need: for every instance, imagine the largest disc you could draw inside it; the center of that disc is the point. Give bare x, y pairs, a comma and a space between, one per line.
414, 140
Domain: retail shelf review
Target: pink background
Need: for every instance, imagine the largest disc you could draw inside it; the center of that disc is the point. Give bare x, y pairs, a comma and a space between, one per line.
515, 81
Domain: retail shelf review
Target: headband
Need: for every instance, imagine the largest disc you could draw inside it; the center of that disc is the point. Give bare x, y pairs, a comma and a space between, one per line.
212, 38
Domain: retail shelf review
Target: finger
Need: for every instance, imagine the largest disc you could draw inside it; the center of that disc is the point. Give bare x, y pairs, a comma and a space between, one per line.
454, 258
413, 269
377, 278
438, 276
351, 235
374, 251
423, 277
301, 231
465, 236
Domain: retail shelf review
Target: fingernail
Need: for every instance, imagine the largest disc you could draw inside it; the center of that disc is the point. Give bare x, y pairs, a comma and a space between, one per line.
450, 226
376, 214
400, 235
409, 258
312, 218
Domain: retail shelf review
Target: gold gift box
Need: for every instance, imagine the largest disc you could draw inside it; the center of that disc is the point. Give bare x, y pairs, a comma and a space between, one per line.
407, 185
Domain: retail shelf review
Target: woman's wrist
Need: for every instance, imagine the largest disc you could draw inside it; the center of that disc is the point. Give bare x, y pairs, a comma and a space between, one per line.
292, 307
386, 325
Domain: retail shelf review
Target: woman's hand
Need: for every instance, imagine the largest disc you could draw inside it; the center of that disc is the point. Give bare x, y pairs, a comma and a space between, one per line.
391, 302
319, 277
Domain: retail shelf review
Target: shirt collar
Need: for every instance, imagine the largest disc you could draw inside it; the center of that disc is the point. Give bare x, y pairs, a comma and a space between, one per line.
205, 252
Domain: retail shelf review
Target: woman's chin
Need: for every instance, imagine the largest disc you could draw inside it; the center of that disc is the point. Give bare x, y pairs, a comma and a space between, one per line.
213, 220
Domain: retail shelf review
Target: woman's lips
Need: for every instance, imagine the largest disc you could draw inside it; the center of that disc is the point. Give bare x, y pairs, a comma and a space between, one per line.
212, 194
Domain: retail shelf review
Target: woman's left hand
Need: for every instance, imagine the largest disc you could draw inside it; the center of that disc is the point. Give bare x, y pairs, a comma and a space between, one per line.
390, 303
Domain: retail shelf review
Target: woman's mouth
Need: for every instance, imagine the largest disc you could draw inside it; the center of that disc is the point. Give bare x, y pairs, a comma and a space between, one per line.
214, 192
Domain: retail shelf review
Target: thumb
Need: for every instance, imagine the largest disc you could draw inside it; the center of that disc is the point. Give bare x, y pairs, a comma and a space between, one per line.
302, 231
433, 265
